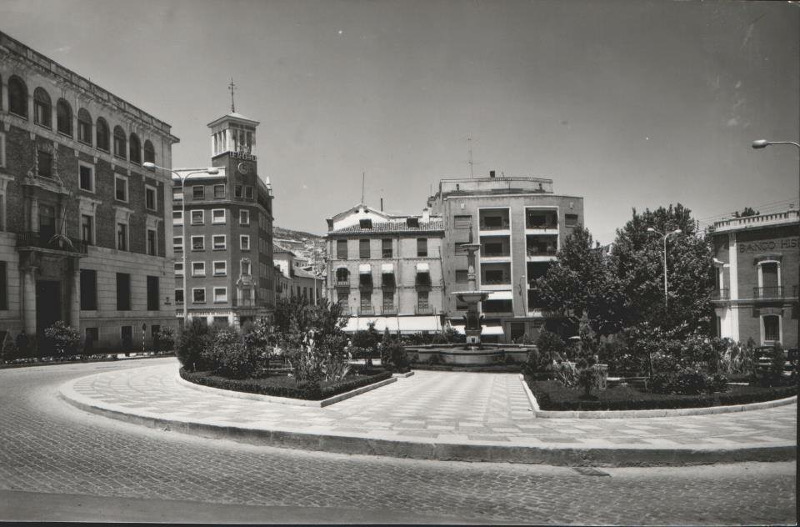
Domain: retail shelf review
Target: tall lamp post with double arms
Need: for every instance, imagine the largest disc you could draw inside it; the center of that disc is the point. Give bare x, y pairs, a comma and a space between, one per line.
665, 236
183, 178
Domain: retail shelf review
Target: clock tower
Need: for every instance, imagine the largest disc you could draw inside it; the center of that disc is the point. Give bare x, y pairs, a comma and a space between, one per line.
233, 147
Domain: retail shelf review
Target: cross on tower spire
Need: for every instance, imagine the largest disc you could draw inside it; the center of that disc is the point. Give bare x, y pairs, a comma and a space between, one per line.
232, 88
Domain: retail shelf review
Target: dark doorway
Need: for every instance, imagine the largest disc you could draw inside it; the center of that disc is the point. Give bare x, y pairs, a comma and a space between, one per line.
48, 304
48, 310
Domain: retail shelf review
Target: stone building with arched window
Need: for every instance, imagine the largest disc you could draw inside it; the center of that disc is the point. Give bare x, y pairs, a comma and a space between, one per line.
83, 234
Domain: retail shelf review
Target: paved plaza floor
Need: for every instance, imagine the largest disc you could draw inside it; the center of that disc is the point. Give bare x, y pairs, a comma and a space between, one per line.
437, 412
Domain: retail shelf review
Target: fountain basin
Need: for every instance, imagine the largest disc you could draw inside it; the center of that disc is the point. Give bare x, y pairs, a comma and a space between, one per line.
471, 297
463, 355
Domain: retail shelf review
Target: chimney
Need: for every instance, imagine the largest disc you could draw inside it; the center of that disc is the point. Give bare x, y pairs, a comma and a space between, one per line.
426, 214
491, 173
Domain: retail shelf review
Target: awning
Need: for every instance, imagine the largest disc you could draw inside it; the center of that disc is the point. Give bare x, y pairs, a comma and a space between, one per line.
407, 324
501, 295
485, 331
387, 268
423, 267
364, 269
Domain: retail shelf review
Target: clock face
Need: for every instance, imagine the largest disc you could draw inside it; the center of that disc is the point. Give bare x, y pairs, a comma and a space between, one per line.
244, 167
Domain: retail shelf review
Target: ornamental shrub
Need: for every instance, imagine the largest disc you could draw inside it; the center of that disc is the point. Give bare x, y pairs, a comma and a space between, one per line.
229, 356
194, 340
66, 340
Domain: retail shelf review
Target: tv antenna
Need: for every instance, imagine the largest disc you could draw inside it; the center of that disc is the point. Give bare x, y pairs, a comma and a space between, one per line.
471, 162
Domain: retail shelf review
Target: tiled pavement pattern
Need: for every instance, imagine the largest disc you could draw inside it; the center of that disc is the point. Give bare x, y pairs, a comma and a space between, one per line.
48, 446
450, 407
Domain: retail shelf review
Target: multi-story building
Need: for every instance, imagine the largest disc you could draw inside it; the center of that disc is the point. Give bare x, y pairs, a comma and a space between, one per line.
293, 280
82, 233
520, 224
386, 269
228, 230
757, 260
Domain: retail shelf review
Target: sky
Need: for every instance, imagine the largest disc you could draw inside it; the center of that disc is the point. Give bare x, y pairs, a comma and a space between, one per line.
626, 103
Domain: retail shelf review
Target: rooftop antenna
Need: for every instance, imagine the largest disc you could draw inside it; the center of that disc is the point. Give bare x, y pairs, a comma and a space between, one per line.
232, 87
471, 163
363, 176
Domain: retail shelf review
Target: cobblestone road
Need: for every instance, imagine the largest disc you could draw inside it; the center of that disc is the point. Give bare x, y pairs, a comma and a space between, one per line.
47, 446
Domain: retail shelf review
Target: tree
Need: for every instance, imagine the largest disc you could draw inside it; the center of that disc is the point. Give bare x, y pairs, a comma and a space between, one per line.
581, 282
747, 211
638, 265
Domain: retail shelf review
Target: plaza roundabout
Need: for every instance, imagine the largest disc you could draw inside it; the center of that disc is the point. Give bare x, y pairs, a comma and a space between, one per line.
442, 415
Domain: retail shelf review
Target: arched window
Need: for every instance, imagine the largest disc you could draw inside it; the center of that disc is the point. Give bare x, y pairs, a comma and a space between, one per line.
102, 134
135, 149
342, 275
64, 117
42, 108
84, 126
149, 152
17, 97
120, 142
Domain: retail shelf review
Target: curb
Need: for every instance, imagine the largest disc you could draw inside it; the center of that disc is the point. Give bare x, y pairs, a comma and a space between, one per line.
496, 452
284, 400
636, 414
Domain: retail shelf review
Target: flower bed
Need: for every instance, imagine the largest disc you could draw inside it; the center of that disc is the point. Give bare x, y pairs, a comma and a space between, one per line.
491, 368
285, 386
551, 395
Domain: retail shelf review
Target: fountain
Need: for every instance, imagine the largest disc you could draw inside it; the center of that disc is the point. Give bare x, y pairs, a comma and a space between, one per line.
474, 353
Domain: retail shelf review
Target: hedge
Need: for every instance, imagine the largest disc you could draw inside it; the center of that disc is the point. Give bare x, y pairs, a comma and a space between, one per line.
284, 386
552, 395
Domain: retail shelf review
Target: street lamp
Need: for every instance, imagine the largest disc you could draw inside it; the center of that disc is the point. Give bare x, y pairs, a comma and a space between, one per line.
665, 236
183, 177
758, 144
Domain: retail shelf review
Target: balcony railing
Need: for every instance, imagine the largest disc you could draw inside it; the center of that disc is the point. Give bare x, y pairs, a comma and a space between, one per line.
424, 310
496, 281
542, 251
768, 292
66, 244
536, 223
366, 310
499, 226
721, 294
505, 253
341, 283
389, 310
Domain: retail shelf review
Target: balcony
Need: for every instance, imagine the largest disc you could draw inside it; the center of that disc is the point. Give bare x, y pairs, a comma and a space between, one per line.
721, 294
366, 310
389, 310
30, 240
542, 246
341, 283
494, 220
424, 310
541, 220
766, 293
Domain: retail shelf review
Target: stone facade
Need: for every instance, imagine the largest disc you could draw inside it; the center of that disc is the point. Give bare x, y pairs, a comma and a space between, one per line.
82, 223
757, 260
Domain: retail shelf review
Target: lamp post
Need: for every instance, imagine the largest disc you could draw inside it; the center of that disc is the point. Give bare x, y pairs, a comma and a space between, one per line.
665, 236
183, 178
763, 143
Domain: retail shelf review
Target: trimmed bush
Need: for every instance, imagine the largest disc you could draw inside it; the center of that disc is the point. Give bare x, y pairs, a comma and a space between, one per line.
551, 395
283, 386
